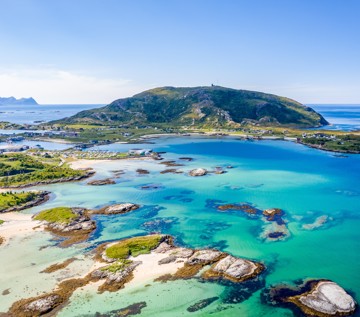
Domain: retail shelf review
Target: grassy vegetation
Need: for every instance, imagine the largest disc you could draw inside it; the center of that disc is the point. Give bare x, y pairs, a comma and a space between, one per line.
57, 214
348, 143
198, 107
22, 169
1, 222
118, 266
10, 199
133, 246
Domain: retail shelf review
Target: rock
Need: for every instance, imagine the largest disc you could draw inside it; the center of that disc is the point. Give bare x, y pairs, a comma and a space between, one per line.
171, 163
182, 252
188, 159
171, 170
319, 222
115, 277
117, 209
131, 310
271, 213
43, 305
198, 172
320, 298
329, 298
167, 260
243, 207
101, 182
201, 304
204, 256
219, 170
163, 247
142, 171
235, 269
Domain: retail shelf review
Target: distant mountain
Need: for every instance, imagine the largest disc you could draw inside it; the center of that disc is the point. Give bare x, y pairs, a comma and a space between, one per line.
14, 101
201, 107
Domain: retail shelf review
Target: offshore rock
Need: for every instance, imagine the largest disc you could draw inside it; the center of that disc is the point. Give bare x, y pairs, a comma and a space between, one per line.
234, 269
319, 298
198, 172
117, 209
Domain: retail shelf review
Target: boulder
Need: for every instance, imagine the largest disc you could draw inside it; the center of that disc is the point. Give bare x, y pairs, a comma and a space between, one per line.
325, 298
198, 172
236, 269
117, 209
204, 257
43, 305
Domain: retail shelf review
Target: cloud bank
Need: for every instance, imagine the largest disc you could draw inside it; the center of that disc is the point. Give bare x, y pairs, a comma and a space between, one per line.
63, 87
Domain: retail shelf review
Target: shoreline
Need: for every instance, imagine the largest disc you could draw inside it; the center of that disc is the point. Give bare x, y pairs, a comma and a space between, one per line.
17, 224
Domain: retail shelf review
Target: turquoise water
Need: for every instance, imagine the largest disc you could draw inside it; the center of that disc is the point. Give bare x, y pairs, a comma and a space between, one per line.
306, 183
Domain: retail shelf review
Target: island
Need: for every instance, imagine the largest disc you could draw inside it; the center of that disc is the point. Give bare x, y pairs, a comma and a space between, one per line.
13, 101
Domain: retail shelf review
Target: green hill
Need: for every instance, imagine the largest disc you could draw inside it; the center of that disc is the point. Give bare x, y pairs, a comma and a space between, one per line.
200, 107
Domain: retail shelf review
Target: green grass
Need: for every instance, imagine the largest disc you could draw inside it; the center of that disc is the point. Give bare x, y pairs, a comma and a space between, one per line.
10, 199
133, 246
22, 169
58, 214
117, 266
1, 222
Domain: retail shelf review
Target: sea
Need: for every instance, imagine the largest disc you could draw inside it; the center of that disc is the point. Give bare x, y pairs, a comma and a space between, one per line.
306, 183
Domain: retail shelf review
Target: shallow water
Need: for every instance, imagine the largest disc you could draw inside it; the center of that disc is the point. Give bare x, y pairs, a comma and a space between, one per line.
306, 183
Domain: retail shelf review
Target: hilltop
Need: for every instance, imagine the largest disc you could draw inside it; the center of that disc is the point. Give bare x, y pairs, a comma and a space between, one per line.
201, 107
14, 101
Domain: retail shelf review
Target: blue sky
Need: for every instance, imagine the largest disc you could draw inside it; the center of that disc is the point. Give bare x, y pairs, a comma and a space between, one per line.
95, 51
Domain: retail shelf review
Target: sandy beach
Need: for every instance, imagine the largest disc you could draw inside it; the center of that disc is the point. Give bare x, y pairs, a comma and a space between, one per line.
17, 224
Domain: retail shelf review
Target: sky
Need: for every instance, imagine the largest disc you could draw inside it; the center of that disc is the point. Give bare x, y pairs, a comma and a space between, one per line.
96, 51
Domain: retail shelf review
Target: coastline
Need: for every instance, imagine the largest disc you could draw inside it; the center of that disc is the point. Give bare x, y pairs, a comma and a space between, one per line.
17, 224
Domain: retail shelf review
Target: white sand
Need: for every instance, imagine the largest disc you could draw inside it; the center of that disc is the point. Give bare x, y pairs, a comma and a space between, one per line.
149, 269
17, 224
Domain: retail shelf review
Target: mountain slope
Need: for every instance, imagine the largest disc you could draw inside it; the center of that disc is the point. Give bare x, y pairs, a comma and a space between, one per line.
210, 107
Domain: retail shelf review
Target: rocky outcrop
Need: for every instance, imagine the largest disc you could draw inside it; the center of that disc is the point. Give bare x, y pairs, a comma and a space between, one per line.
101, 182
43, 305
116, 275
320, 298
204, 257
117, 209
198, 172
327, 298
81, 223
234, 269
77, 230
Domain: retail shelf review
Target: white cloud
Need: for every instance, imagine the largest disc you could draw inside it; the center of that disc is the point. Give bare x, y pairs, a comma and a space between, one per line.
56, 86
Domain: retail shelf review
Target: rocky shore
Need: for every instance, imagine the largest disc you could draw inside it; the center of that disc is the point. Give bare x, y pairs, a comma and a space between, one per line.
87, 174
141, 258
